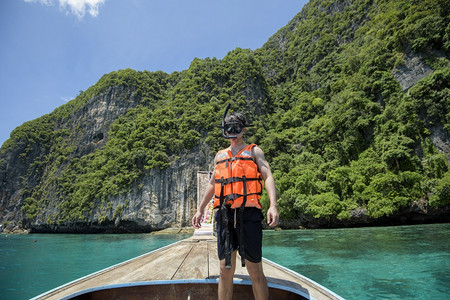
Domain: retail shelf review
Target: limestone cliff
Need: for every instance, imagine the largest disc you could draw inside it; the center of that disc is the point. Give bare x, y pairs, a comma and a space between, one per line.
160, 199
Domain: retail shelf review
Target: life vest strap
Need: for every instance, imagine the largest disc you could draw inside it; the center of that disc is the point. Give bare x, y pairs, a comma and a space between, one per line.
234, 179
224, 221
233, 159
232, 197
241, 227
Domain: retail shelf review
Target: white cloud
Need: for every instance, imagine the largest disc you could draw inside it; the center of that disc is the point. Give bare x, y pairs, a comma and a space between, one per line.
79, 7
76, 7
44, 2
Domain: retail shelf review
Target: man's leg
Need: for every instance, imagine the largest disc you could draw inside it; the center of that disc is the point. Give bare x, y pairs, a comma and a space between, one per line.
259, 282
226, 279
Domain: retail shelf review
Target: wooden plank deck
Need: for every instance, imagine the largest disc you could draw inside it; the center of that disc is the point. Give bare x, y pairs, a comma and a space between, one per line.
190, 259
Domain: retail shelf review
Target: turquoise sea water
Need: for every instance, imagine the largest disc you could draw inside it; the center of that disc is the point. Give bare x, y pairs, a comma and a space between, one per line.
406, 262
35, 263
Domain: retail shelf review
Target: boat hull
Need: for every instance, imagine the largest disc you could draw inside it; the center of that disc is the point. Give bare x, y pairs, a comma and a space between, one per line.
177, 290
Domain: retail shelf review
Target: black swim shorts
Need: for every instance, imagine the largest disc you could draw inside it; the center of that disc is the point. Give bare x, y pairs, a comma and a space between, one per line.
252, 233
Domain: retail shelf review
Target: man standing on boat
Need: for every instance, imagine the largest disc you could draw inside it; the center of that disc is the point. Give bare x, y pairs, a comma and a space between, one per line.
237, 187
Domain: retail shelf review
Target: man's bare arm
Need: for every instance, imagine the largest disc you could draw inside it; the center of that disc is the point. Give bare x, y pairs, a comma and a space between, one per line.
209, 193
264, 168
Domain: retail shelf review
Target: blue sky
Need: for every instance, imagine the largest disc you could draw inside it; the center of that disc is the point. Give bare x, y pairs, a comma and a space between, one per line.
50, 50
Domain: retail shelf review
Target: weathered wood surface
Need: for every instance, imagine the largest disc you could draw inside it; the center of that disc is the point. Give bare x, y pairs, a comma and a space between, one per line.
192, 258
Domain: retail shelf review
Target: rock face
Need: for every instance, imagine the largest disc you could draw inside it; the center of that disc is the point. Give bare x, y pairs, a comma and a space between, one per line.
160, 199
441, 140
411, 71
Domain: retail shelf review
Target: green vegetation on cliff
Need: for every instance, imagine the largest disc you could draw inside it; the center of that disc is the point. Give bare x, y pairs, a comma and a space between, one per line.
343, 135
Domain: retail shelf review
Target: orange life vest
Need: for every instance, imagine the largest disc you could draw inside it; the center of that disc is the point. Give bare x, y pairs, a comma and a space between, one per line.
233, 174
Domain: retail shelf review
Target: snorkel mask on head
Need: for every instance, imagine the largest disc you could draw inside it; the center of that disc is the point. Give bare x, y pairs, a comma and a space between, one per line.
231, 129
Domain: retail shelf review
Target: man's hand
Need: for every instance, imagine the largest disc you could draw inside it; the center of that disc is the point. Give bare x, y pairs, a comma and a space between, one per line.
272, 216
196, 220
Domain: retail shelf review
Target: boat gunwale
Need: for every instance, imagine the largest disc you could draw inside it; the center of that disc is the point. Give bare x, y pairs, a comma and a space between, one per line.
184, 281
